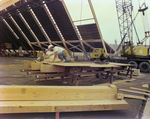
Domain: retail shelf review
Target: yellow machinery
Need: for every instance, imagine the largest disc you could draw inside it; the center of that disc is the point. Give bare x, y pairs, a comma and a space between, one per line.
97, 52
138, 55
138, 51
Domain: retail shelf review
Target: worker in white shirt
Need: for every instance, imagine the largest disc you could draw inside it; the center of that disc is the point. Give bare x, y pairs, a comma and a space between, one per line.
58, 51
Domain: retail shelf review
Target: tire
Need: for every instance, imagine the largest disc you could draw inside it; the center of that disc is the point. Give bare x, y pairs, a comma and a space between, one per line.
144, 66
135, 65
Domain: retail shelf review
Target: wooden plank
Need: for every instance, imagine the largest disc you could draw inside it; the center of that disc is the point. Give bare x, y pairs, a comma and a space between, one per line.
120, 64
134, 85
61, 106
49, 79
6, 3
145, 86
118, 82
83, 64
119, 96
47, 68
131, 91
36, 65
57, 92
34, 72
27, 64
135, 73
133, 97
51, 59
140, 89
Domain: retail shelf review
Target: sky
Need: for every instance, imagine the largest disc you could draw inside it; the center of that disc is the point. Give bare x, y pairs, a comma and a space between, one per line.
107, 17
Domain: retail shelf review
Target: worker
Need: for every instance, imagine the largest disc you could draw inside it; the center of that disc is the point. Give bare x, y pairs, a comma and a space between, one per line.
47, 52
57, 51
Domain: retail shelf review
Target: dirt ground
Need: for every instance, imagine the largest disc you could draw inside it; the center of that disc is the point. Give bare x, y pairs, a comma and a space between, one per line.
10, 75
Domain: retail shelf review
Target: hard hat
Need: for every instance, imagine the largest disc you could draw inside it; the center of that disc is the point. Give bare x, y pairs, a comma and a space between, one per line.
50, 46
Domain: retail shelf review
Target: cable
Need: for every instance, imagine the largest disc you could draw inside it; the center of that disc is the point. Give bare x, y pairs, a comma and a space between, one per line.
139, 3
81, 12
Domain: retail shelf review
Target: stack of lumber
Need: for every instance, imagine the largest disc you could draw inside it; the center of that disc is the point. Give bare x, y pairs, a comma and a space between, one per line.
35, 99
74, 70
35, 65
135, 90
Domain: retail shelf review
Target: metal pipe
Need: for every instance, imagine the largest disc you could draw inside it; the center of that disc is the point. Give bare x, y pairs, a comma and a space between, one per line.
8, 26
29, 28
55, 26
39, 24
22, 33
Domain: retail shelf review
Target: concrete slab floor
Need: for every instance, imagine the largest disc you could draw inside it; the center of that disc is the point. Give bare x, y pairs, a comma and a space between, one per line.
10, 75
146, 112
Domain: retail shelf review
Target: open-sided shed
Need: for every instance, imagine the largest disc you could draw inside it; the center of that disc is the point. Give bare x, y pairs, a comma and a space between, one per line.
34, 24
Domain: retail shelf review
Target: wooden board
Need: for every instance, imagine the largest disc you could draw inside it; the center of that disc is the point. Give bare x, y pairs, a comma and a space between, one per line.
47, 68
119, 64
6, 3
138, 92
145, 86
57, 92
133, 97
140, 89
135, 85
135, 73
51, 59
36, 65
61, 106
83, 64
118, 82
27, 64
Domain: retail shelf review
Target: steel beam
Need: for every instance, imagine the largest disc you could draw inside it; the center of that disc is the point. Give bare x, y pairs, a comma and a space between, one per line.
38, 23
55, 26
30, 30
94, 15
75, 28
19, 29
